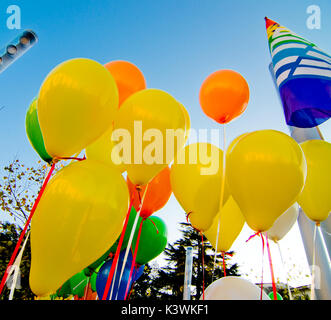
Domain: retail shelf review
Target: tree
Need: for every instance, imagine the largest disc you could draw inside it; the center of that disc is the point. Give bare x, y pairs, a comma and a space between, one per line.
167, 283
19, 188
9, 234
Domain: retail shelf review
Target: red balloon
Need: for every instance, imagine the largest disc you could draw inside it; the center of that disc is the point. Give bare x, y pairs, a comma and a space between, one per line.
157, 195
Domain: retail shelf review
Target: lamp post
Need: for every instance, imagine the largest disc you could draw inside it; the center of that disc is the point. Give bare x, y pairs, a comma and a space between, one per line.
188, 274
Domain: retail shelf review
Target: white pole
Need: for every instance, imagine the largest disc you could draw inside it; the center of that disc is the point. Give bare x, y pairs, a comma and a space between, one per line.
188, 274
16, 267
322, 259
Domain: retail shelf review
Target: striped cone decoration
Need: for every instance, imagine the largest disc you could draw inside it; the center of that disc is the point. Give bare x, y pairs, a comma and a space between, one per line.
303, 76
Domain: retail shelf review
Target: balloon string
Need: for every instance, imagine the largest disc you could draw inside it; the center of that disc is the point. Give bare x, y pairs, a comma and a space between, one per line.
250, 238
157, 230
203, 267
312, 293
214, 266
5, 276
287, 282
224, 267
118, 250
71, 158
224, 254
188, 216
257, 234
135, 272
133, 264
221, 196
114, 277
87, 288
131, 237
271, 269
260, 234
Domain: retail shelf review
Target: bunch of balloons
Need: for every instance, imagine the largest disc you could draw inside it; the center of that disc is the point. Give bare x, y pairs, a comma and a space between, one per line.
261, 177
84, 208
89, 211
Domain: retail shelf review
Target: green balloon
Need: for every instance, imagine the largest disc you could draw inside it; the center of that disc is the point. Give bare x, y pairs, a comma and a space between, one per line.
153, 239
94, 278
78, 283
92, 267
34, 132
271, 296
65, 290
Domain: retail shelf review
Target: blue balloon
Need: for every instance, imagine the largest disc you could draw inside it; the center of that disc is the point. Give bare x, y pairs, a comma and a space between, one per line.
119, 290
138, 273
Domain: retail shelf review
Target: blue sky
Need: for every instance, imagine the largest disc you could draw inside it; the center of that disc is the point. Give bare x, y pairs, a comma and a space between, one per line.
176, 44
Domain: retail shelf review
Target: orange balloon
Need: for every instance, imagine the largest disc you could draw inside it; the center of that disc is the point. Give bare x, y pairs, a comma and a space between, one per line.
157, 194
128, 77
224, 95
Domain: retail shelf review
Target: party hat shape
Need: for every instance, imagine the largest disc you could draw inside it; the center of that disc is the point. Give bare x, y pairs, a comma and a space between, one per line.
303, 76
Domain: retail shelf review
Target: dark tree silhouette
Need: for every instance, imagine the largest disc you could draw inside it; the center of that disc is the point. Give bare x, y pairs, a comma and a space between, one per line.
167, 283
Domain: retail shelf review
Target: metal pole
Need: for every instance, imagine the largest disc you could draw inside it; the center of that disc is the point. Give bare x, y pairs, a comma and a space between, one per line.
188, 274
322, 268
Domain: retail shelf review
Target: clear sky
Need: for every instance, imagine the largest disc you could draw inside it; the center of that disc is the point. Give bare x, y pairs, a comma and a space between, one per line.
176, 44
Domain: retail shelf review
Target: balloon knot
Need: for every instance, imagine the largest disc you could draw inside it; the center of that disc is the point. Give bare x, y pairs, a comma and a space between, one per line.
254, 235
188, 216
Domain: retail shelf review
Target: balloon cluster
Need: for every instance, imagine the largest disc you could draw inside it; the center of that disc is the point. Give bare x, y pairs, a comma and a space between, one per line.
261, 177
88, 214
80, 217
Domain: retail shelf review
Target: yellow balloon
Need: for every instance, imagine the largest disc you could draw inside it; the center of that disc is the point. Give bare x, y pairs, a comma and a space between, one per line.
315, 199
266, 172
77, 104
234, 142
152, 125
196, 181
79, 217
187, 122
103, 150
231, 222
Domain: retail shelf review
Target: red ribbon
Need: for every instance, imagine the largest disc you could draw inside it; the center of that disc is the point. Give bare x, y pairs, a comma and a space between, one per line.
87, 288
262, 266
251, 237
134, 258
157, 230
272, 271
224, 263
187, 216
11, 261
72, 158
135, 271
134, 266
117, 253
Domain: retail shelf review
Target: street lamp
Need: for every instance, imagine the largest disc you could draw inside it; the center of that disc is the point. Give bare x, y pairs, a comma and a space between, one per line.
17, 48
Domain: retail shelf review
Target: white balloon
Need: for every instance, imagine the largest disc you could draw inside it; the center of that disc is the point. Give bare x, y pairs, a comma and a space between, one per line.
234, 288
283, 224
